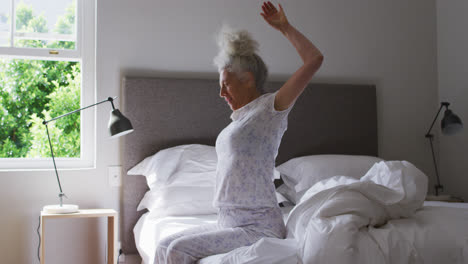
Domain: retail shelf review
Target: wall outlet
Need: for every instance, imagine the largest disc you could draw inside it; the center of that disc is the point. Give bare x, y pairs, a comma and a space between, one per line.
115, 176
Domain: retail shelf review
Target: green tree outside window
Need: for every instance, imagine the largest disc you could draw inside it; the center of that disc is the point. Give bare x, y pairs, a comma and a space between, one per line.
33, 90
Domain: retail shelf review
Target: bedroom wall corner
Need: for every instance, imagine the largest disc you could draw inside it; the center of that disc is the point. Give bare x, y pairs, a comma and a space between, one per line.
452, 43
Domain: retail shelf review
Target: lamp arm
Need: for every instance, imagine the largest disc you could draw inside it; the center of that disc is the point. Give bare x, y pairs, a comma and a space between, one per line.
438, 185
109, 99
442, 104
53, 159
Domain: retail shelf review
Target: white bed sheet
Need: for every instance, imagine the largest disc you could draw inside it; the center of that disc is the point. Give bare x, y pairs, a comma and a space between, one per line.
148, 231
426, 231
437, 233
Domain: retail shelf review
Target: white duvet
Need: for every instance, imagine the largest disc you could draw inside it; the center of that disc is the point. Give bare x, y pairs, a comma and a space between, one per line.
377, 219
332, 220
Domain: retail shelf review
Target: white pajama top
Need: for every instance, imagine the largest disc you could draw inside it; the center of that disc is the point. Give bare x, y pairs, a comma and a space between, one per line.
247, 149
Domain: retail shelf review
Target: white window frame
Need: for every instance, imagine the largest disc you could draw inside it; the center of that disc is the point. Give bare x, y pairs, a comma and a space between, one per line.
85, 53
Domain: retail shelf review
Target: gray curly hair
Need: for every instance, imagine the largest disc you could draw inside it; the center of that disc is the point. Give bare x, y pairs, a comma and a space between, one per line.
237, 53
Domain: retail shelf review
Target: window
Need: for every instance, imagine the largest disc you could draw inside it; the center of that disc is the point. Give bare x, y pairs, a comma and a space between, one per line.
47, 68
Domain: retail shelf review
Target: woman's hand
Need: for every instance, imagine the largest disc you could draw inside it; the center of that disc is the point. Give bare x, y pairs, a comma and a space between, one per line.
276, 19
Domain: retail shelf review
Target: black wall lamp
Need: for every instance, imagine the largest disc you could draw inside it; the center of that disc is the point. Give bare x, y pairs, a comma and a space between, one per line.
450, 124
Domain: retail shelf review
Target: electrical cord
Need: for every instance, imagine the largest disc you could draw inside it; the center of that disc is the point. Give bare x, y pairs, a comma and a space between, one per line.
39, 235
120, 253
118, 257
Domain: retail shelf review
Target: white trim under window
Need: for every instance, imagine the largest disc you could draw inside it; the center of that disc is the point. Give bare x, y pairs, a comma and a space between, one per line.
85, 53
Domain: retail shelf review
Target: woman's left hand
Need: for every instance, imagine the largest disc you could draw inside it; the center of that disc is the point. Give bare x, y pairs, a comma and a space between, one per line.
276, 19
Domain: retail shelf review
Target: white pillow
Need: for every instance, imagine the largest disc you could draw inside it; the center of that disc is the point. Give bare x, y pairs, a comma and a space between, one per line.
299, 174
287, 192
177, 164
179, 199
176, 200
181, 180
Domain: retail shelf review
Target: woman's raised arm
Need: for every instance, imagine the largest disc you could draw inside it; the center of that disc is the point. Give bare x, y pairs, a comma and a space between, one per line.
312, 58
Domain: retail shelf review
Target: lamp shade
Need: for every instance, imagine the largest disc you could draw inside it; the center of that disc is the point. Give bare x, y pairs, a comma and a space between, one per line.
451, 123
119, 125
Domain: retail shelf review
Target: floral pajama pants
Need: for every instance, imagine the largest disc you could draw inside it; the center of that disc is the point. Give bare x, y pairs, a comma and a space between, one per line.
235, 228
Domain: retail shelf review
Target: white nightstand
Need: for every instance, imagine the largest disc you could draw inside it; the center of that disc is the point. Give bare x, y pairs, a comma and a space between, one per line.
112, 227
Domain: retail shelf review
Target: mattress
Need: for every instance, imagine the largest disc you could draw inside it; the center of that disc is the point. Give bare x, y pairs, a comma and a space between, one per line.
424, 231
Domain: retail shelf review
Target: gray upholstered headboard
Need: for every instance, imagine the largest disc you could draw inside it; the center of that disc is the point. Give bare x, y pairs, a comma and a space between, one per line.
327, 119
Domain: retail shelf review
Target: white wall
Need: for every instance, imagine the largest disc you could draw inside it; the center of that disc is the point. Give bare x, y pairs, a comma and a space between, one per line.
452, 40
388, 43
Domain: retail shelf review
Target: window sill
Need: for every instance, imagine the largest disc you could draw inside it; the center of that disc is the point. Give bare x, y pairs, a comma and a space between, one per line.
25, 164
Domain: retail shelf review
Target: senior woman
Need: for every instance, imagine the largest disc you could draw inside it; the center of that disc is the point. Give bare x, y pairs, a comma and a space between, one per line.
246, 148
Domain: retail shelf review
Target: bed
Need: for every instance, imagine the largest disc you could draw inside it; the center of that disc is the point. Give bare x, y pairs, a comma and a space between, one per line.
327, 119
